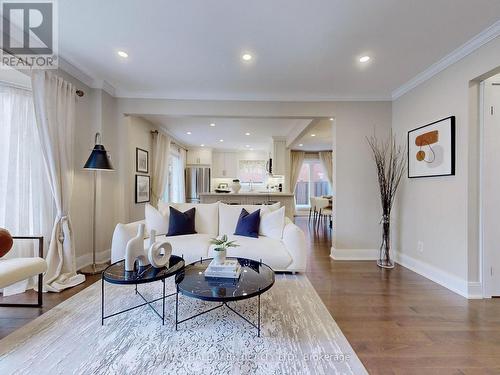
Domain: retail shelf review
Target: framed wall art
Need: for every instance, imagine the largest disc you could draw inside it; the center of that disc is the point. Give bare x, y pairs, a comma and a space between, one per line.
141, 160
142, 189
431, 149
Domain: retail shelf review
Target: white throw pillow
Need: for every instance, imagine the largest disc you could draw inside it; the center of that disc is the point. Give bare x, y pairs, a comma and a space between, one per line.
156, 220
164, 208
229, 215
206, 219
274, 206
272, 224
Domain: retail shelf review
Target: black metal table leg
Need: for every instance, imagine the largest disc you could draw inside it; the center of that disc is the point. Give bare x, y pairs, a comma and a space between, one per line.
163, 307
102, 301
176, 307
258, 314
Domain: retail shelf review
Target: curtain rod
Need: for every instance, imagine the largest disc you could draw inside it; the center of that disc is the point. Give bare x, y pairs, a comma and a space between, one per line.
79, 93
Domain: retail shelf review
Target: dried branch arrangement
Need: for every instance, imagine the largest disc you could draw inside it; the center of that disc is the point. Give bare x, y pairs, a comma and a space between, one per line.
390, 161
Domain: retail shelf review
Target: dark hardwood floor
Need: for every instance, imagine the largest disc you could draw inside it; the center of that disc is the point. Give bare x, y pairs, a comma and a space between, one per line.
11, 318
397, 321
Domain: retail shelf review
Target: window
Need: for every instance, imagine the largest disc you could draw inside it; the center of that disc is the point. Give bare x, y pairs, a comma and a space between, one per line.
252, 171
175, 173
175, 184
312, 182
26, 203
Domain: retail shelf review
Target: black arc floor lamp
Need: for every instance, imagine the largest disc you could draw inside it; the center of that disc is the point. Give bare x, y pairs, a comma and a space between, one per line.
97, 161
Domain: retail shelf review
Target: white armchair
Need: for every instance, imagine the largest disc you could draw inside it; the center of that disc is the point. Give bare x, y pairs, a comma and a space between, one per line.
18, 269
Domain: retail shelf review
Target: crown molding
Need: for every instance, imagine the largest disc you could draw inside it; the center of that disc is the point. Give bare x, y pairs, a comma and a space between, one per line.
250, 98
85, 76
467, 48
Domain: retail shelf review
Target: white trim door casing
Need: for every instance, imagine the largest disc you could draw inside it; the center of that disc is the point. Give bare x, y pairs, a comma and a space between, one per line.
490, 187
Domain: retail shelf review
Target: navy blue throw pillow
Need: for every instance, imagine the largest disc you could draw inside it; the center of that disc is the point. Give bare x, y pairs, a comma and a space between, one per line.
181, 222
248, 224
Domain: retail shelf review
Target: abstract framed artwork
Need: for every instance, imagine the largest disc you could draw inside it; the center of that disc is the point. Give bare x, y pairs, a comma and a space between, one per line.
141, 160
431, 149
142, 189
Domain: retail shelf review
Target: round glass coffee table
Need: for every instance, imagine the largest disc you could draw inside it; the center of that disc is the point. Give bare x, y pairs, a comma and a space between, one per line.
116, 274
255, 279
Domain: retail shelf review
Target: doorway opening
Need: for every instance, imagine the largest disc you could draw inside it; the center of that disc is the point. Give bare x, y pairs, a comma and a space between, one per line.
490, 185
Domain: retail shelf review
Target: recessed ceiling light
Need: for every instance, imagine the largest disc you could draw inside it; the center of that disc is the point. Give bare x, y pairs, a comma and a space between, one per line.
202, 145
188, 132
364, 59
247, 133
313, 135
300, 145
212, 124
123, 54
331, 118
246, 57
221, 140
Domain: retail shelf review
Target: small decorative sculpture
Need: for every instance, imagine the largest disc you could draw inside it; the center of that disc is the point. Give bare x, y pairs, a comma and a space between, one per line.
155, 256
135, 250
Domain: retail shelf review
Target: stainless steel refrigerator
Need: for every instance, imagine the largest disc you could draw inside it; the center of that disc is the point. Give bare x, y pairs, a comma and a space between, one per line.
197, 181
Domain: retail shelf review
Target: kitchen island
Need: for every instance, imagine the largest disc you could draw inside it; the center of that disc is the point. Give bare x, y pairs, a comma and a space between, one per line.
253, 197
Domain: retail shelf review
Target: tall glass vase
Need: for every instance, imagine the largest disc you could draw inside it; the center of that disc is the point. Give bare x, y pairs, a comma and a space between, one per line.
385, 260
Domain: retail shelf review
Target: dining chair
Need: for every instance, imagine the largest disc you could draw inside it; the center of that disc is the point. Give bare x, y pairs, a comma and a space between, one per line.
323, 207
312, 208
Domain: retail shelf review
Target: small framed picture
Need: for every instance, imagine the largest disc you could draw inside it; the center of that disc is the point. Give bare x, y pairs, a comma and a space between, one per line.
141, 160
142, 189
431, 149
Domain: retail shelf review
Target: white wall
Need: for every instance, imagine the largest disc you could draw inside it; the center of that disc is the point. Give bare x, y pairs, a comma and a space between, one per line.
357, 202
356, 190
95, 112
139, 135
442, 212
81, 201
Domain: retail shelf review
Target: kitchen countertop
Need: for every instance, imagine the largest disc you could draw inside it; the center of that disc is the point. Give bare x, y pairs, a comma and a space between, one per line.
254, 193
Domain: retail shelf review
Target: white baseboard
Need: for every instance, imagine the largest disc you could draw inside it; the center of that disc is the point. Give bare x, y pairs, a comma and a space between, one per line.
354, 254
86, 259
475, 290
470, 290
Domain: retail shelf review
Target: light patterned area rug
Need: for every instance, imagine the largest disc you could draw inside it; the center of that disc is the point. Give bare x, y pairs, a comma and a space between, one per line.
299, 336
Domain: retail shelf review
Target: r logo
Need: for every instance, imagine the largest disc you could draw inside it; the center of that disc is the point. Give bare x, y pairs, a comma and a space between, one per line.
27, 28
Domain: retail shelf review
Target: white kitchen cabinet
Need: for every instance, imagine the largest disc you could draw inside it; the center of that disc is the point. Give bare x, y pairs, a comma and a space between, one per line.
199, 156
224, 165
279, 156
231, 164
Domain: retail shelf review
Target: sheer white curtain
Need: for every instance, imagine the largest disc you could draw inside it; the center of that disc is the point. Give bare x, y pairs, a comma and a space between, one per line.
26, 204
296, 161
326, 159
161, 154
182, 180
54, 100
177, 193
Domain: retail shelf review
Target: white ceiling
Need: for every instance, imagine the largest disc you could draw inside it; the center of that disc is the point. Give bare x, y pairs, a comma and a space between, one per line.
231, 130
323, 139
304, 50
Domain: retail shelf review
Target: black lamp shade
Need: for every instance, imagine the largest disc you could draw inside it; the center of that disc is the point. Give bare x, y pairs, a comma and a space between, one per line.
98, 159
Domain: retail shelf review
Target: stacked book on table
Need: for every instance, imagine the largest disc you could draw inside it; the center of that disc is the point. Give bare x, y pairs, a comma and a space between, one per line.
230, 269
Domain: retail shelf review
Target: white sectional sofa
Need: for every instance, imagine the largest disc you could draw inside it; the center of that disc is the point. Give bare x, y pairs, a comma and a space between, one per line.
282, 244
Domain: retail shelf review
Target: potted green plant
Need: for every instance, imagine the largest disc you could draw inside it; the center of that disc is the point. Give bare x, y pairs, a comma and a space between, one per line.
221, 246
